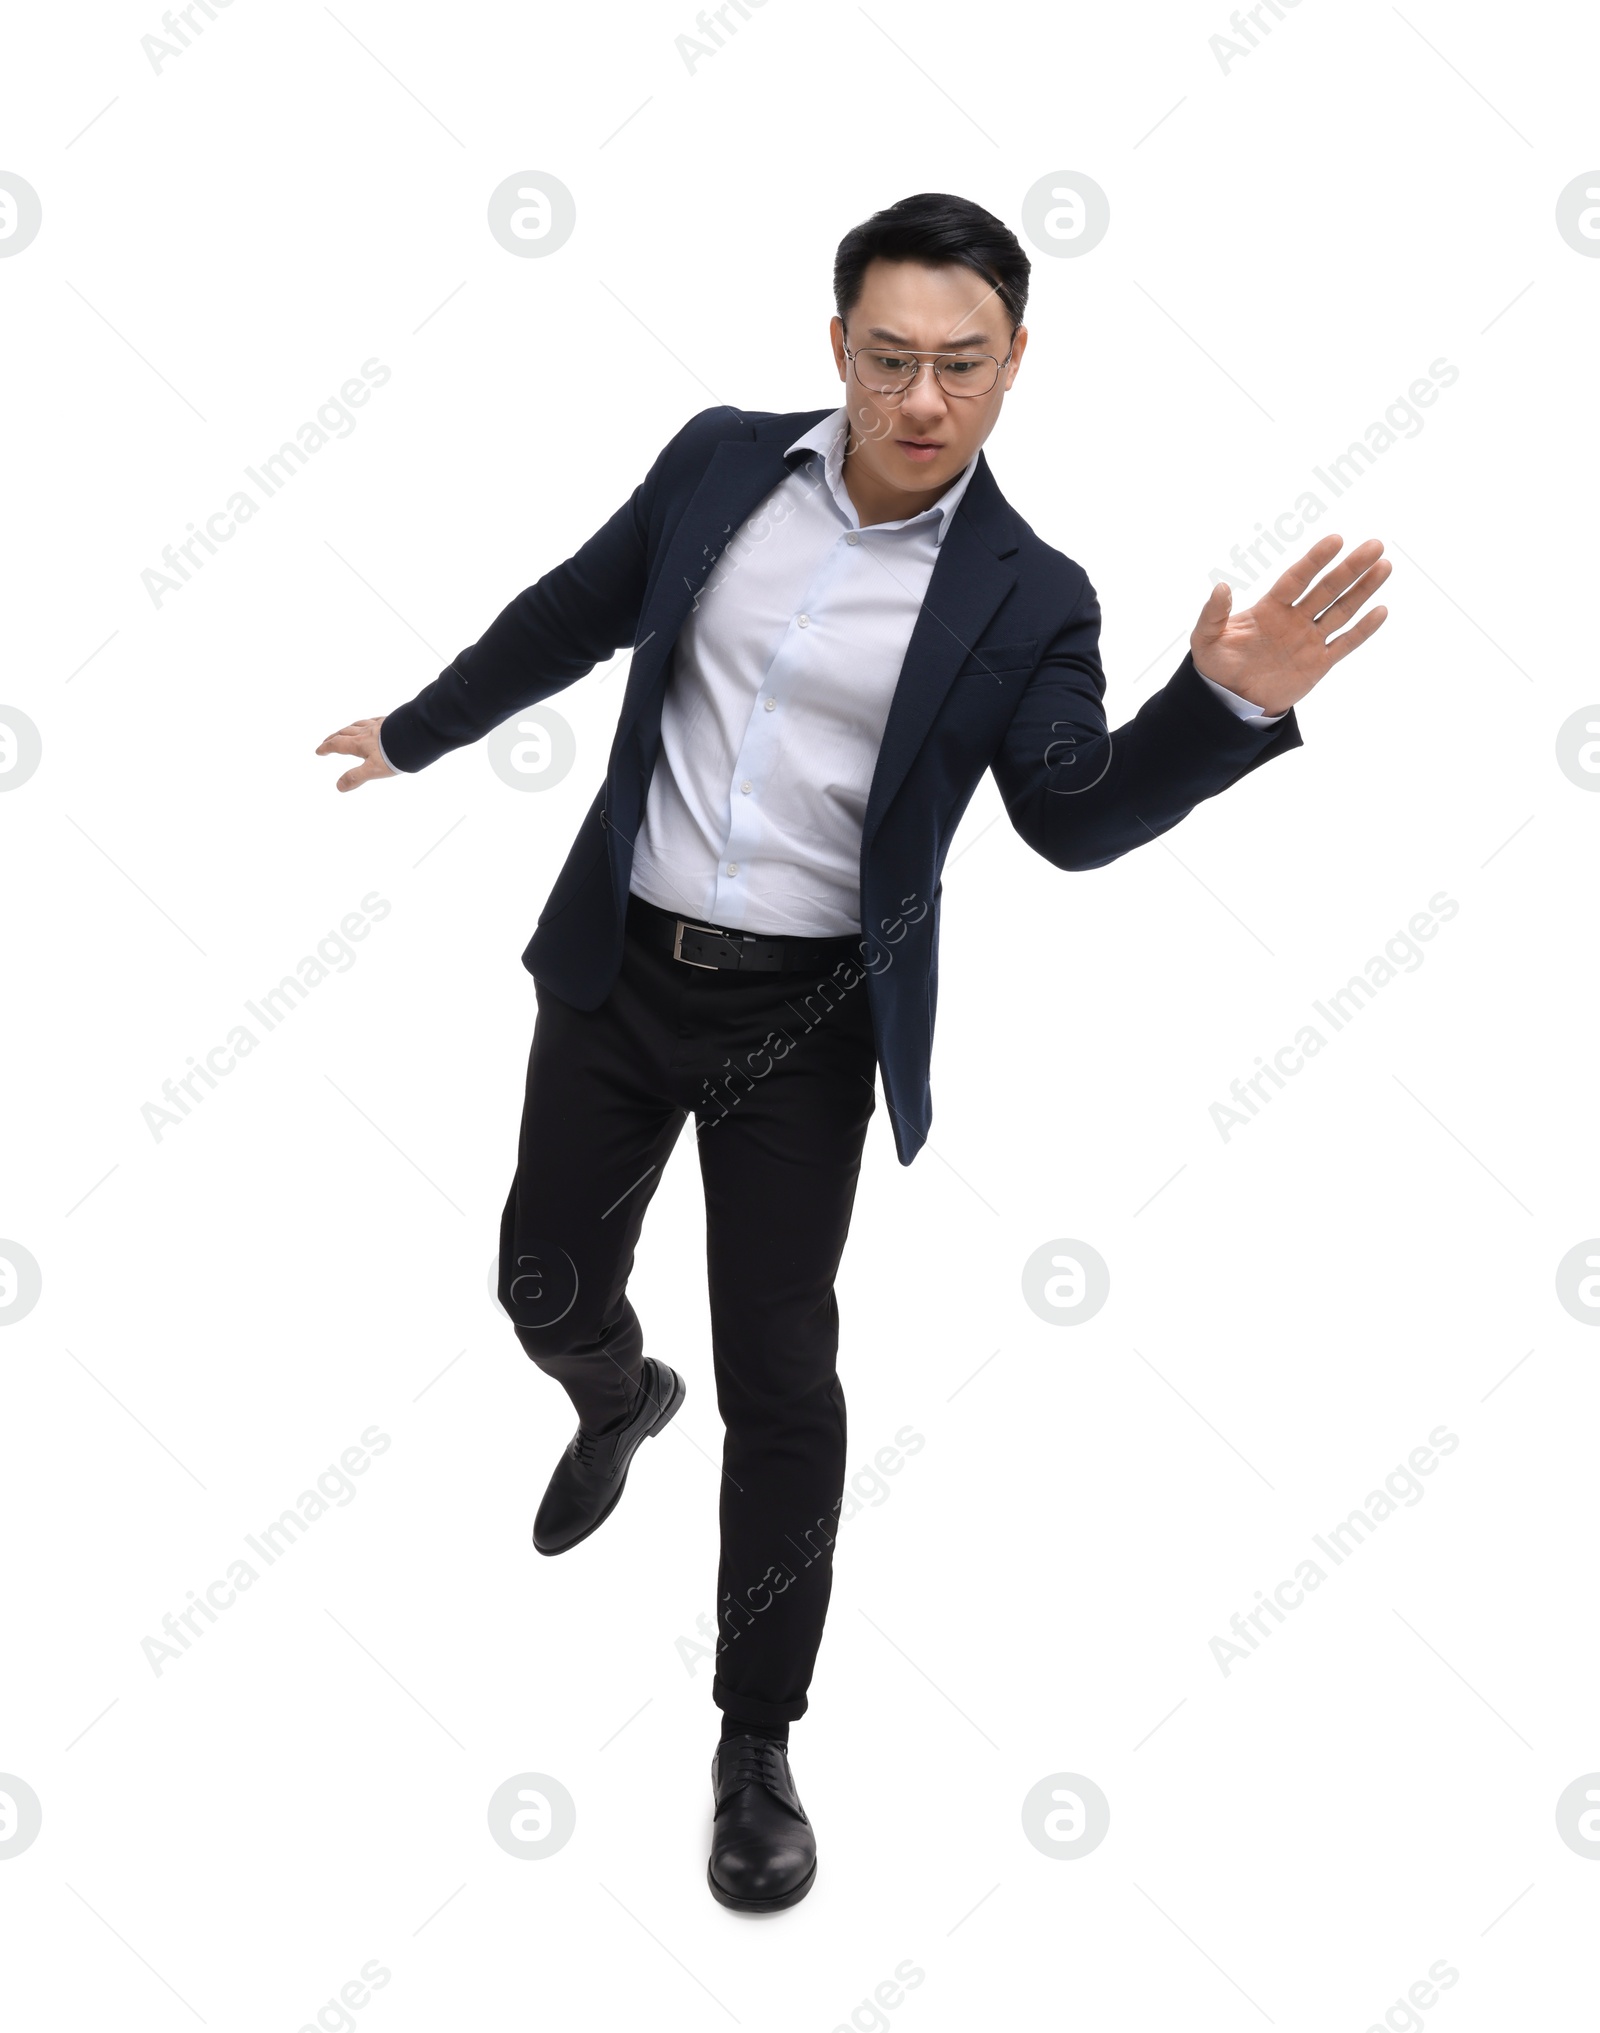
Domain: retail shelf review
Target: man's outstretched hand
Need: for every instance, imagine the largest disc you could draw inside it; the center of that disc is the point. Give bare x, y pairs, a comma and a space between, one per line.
359, 738
1273, 653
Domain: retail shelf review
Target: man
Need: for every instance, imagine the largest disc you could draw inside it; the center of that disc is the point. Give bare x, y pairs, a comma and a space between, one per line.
838, 624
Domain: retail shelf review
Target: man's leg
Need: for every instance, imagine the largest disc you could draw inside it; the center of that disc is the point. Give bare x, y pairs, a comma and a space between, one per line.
597, 1129
780, 1136
782, 1116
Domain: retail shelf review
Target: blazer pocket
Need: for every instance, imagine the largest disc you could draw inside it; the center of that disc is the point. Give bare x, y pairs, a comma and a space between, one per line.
991, 658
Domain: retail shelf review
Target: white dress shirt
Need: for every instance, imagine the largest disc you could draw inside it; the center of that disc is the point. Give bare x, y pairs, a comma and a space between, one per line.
775, 709
777, 699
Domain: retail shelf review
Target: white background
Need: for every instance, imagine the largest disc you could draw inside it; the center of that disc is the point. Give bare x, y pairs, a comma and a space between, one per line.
1292, 1310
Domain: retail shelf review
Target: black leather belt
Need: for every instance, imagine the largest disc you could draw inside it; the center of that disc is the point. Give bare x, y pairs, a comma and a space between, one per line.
698, 944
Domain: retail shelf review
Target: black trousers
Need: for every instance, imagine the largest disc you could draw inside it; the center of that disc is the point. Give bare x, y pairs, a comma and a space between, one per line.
777, 1069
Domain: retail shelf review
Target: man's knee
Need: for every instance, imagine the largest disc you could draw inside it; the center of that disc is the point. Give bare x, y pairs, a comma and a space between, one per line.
542, 1293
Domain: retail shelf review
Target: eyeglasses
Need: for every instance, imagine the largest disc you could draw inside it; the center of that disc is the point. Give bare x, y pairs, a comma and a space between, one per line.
893, 372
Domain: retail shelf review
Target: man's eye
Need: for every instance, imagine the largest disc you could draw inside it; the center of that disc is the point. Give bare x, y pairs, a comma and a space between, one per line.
961, 368
891, 363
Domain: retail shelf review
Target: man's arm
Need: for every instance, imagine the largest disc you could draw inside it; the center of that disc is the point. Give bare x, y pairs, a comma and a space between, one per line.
1081, 795
553, 633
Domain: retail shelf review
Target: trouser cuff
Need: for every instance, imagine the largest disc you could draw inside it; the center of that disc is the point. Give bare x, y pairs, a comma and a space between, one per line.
731, 1701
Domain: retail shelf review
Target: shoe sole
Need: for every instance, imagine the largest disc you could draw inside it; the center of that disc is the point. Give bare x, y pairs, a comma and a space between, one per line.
679, 1393
792, 1897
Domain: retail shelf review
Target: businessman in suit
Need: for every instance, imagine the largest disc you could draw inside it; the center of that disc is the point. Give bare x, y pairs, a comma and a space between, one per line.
837, 625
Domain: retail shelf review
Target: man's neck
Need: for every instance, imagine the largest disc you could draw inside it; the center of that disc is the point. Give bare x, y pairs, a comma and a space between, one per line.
875, 500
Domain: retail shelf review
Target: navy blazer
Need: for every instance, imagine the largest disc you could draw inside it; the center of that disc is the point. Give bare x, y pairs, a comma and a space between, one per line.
1002, 672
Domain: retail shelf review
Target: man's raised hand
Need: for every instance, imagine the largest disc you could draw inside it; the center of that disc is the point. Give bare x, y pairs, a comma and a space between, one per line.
359, 738
1273, 653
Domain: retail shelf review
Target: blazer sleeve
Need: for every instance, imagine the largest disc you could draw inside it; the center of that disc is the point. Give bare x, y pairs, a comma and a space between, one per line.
553, 633
1081, 794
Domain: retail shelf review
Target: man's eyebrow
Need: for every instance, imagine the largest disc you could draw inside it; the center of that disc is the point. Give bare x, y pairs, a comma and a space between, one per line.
950, 345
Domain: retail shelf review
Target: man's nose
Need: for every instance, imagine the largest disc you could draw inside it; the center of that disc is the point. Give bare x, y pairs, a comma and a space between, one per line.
924, 397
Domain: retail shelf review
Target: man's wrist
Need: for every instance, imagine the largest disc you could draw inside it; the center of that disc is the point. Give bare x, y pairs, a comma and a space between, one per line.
1241, 707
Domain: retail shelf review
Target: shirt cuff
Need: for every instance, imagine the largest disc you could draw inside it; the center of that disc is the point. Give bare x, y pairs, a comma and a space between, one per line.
1245, 709
385, 753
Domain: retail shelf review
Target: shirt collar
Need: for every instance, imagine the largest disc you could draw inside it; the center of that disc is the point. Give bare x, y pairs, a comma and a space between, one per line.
828, 438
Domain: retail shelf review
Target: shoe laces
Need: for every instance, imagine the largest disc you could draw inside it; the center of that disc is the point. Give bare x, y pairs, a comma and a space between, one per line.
584, 1446
748, 1758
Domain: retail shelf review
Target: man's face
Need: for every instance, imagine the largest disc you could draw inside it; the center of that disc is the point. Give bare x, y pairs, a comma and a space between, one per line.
920, 440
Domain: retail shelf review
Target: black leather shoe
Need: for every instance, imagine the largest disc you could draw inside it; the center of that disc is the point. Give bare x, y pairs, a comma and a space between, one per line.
590, 1476
763, 1848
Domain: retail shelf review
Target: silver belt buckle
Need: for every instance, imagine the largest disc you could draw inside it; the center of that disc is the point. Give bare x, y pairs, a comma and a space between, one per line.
682, 925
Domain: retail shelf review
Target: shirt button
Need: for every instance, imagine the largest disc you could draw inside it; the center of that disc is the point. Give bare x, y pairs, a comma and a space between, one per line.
772, 705
733, 868
852, 536
802, 620
745, 785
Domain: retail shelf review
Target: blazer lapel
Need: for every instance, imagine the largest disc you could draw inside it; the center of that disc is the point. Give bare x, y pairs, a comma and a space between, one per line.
969, 581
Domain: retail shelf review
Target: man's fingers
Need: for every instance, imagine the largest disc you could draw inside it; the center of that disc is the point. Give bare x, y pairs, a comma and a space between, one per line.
1353, 638
359, 738
1298, 577
1342, 576
1357, 597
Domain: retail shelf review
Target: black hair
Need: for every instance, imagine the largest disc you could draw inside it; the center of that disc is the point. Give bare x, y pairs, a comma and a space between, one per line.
935, 229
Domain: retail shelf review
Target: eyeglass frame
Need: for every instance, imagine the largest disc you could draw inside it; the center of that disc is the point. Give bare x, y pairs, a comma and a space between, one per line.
920, 355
